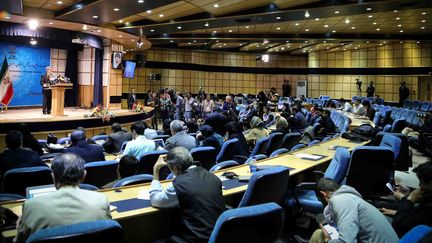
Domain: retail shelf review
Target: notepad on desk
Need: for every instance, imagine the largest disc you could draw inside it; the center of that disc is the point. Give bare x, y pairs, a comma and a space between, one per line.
144, 195
309, 156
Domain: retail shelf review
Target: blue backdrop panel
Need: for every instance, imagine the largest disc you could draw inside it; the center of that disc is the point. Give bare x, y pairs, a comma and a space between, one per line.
26, 65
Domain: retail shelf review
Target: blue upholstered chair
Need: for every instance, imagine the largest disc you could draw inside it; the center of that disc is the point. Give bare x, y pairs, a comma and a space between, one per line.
268, 185
224, 165
374, 163
227, 151
290, 140
171, 176
298, 146
205, 155
148, 160
10, 197
278, 152
99, 137
314, 142
64, 140
304, 193
416, 105
89, 187
425, 106
133, 180
16, 181
94, 231
275, 142
392, 142
122, 148
416, 234
404, 158
326, 139
101, 173
407, 104
398, 125
260, 223
377, 119
256, 157
49, 156
42, 142
260, 146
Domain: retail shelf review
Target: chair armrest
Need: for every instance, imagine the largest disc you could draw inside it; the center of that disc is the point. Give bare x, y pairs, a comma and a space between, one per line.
306, 186
318, 174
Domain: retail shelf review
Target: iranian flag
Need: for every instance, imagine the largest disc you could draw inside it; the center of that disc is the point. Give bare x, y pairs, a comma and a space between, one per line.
6, 89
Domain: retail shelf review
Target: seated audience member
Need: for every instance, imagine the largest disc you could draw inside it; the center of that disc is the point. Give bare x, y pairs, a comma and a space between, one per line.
206, 137
80, 146
268, 117
217, 121
256, 131
68, 205
228, 104
89, 141
235, 131
248, 113
345, 106
140, 144
128, 166
325, 124
166, 127
370, 111
15, 156
195, 191
314, 110
192, 126
416, 207
180, 138
116, 139
28, 140
358, 108
281, 126
297, 122
355, 219
149, 133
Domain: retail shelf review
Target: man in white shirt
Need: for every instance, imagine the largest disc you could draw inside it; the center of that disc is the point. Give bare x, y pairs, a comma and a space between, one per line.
189, 100
345, 106
140, 144
178, 106
358, 108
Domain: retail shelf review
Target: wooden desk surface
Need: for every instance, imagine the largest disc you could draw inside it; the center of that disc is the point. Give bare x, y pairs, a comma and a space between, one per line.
357, 121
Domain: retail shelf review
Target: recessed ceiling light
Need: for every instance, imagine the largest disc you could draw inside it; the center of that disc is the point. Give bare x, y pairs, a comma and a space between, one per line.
194, 41
140, 1
324, 41
374, 23
230, 31
149, 11
171, 41
316, 19
206, 24
247, 27
367, 41
287, 41
132, 40
127, 23
99, 30
397, 18
344, 49
424, 13
336, 12
121, 21
399, 25
224, 44
152, 30
278, 28
85, 27
296, 24
283, 48
347, 21
33, 41
401, 42
217, 40
370, 16
189, 43
161, 15
278, 17
216, 5
33, 24
7, 17
306, 41
120, 36
95, 16
334, 31
353, 27
378, 29
59, 2
380, 44
368, 9
307, 14
179, 27
116, 9
214, 31
401, 31
395, 11
326, 26
327, 48
306, 30
418, 42
423, 28
50, 23
424, 21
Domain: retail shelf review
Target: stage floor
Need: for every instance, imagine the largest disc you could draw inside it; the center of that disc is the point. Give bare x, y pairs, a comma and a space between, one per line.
35, 115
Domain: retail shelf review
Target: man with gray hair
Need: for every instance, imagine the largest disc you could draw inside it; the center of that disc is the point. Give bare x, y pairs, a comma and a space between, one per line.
180, 138
195, 191
68, 205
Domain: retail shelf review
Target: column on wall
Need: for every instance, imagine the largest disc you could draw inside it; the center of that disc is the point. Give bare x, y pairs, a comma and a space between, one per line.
86, 59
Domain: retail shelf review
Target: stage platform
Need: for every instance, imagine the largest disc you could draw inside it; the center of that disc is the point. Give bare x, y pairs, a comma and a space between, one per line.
40, 125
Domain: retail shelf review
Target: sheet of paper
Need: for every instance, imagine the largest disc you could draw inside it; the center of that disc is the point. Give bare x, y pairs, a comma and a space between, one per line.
222, 178
112, 208
144, 195
332, 232
308, 156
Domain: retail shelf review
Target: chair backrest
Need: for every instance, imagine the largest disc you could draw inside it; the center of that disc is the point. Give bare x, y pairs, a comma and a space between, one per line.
260, 223
205, 155
278, 152
10, 197
227, 150
49, 156
338, 167
290, 140
63, 140
392, 142
260, 146
377, 118
326, 139
403, 159
99, 137
268, 185
407, 104
123, 146
398, 125
133, 180
161, 136
314, 142
275, 142
88, 187
148, 160
370, 169
224, 165
16, 181
256, 157
416, 105
94, 231
416, 234
101, 173
298, 146
387, 128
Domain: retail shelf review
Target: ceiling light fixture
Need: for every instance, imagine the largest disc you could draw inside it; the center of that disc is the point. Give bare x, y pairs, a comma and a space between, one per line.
121, 21
336, 12
99, 30
116, 9
85, 27
216, 5
401, 31
374, 23
397, 18
353, 27
307, 30
347, 21
368, 9
171, 41
278, 28
59, 2
307, 15
326, 26
424, 13
287, 41
152, 30
161, 15
423, 28
317, 19
278, 17
247, 27
395, 11
33, 41
378, 29
424, 21
50, 23
140, 1
399, 25
149, 11
33, 24
179, 27
230, 31
370, 16
95, 17
214, 31
334, 31
206, 24
120, 36
296, 24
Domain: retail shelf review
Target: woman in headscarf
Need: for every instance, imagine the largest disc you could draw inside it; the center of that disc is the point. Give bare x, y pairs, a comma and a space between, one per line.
257, 130
234, 131
282, 126
206, 137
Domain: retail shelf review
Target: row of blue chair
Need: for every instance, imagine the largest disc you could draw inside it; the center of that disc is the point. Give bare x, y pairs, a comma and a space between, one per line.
372, 100
416, 105
341, 121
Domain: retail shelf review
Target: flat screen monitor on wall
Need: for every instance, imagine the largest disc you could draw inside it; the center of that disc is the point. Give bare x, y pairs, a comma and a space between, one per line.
117, 59
129, 69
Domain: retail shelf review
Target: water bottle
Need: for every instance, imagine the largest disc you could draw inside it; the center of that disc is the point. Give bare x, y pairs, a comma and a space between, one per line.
253, 166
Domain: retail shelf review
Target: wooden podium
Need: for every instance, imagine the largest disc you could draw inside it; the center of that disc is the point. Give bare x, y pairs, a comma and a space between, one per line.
57, 100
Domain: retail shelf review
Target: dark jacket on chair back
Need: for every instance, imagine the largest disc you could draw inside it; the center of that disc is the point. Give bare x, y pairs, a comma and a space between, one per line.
201, 202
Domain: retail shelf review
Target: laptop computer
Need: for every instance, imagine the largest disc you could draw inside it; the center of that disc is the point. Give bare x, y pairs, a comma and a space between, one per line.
37, 191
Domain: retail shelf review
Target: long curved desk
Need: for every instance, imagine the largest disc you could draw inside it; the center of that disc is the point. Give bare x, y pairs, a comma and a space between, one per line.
147, 223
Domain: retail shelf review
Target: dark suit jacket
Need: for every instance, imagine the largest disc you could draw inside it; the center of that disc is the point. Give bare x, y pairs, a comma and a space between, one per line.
19, 158
115, 141
131, 100
89, 152
44, 80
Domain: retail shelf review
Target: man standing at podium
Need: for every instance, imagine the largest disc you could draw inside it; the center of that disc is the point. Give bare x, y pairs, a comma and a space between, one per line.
46, 92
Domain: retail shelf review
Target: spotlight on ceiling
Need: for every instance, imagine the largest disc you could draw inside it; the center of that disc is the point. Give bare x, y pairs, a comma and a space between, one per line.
33, 24
33, 41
